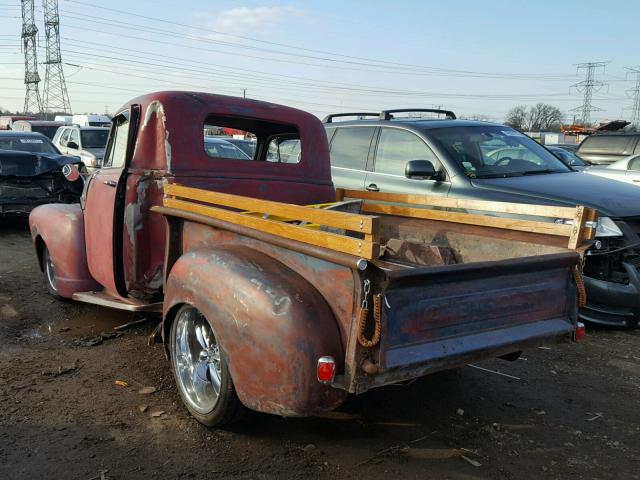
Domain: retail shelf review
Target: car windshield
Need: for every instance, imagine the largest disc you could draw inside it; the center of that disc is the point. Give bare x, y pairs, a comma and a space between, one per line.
27, 144
489, 151
223, 149
246, 146
94, 138
569, 158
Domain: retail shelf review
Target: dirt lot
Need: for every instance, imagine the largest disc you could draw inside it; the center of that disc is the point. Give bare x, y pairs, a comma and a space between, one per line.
570, 411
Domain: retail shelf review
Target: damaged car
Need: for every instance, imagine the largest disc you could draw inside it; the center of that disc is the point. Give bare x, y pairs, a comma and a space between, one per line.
31, 173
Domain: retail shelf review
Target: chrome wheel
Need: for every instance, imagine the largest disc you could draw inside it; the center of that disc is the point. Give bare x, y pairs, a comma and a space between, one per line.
50, 271
197, 361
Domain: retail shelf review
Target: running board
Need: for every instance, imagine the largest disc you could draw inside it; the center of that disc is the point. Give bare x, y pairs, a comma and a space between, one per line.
104, 300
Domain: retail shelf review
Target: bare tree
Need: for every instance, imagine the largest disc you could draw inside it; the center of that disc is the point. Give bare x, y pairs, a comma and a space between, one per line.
517, 117
540, 117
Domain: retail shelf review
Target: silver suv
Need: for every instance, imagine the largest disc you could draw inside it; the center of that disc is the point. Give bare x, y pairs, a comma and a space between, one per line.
88, 143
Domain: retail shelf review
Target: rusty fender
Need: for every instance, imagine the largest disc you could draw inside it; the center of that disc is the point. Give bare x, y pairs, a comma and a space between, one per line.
61, 228
270, 322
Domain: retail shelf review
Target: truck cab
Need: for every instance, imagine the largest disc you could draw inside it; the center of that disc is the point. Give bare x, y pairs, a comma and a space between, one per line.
119, 245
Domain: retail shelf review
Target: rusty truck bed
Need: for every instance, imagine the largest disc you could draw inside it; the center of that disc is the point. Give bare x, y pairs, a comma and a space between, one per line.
478, 292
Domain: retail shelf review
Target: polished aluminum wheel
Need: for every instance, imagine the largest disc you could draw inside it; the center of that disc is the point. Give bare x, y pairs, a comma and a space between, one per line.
50, 271
197, 361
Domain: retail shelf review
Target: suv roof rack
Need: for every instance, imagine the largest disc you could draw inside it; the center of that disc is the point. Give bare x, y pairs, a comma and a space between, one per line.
329, 118
387, 114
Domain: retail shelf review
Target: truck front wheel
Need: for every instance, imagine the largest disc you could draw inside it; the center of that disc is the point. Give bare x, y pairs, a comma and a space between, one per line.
49, 273
200, 369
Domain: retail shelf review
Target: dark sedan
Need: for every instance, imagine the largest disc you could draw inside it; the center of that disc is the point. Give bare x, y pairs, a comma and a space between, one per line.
31, 173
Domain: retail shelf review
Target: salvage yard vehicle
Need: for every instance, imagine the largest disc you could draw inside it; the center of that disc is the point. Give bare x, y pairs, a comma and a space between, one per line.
6, 121
625, 170
86, 142
448, 157
44, 127
31, 173
282, 295
606, 148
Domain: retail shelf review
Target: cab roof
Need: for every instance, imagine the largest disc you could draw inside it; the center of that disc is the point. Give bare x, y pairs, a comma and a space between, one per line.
170, 135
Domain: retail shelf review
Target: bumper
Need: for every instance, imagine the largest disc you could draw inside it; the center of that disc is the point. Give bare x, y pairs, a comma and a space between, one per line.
20, 195
613, 304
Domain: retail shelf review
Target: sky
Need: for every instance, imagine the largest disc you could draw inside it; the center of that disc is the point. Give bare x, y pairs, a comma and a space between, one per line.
478, 59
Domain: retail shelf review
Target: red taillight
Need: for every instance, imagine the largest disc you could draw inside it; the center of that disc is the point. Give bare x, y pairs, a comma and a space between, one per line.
580, 333
326, 369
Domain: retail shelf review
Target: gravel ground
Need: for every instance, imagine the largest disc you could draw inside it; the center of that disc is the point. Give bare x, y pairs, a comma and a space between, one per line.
567, 411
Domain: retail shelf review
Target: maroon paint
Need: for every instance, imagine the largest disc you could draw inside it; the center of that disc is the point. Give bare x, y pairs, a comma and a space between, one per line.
271, 323
98, 228
61, 228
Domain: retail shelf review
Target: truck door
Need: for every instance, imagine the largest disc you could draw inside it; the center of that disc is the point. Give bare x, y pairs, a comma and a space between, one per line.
103, 233
395, 148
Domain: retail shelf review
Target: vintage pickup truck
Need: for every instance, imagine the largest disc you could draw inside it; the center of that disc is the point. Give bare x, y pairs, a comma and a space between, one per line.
279, 293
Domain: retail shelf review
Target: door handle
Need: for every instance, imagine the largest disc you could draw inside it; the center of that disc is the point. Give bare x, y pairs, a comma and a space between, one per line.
372, 187
111, 183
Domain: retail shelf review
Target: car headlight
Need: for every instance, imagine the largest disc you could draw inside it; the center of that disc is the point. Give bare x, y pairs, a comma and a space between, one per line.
607, 228
89, 159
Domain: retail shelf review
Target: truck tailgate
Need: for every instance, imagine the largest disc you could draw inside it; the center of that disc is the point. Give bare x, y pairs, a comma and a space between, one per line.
448, 316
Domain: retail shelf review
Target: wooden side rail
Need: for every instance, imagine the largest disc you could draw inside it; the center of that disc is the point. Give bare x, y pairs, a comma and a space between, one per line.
209, 203
579, 226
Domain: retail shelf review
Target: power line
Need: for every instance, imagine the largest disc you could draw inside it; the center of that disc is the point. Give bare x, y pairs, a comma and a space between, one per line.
587, 86
32, 102
634, 93
392, 67
56, 96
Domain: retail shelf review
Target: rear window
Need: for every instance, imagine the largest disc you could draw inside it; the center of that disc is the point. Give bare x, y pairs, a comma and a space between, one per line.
264, 141
350, 147
613, 144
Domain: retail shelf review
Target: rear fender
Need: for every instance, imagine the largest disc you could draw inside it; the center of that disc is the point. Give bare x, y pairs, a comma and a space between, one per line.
60, 227
270, 322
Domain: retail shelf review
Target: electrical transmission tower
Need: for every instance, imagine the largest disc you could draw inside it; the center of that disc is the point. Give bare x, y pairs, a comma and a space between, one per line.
55, 95
634, 93
32, 103
587, 87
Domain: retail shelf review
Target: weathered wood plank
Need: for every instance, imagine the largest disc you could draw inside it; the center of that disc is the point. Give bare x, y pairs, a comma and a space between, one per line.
467, 204
331, 218
548, 228
353, 246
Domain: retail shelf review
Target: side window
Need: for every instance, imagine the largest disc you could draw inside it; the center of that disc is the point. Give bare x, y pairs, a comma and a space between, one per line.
634, 164
350, 147
64, 138
396, 147
74, 136
117, 144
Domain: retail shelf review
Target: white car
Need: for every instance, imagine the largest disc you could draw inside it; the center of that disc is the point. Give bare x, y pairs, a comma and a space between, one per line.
625, 170
88, 143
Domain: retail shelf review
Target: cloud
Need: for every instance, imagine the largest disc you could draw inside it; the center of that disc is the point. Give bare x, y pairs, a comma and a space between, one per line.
250, 21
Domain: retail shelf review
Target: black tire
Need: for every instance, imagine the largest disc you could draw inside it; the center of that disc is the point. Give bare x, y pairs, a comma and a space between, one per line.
633, 322
228, 408
48, 273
